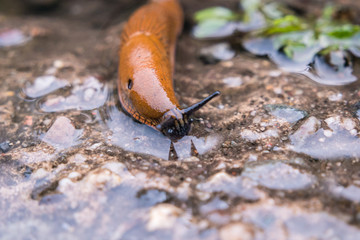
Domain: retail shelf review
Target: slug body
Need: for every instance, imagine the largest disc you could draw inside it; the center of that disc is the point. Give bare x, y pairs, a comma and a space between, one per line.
146, 64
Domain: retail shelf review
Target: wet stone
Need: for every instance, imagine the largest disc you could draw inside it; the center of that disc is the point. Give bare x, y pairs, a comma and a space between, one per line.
279, 176
287, 113
4, 147
62, 134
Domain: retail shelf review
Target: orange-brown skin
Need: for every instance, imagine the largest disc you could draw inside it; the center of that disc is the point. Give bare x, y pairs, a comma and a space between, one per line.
147, 49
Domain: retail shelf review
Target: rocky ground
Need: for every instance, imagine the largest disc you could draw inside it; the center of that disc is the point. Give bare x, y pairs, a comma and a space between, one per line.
276, 156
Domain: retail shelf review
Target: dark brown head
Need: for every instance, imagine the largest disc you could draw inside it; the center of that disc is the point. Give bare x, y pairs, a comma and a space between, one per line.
176, 123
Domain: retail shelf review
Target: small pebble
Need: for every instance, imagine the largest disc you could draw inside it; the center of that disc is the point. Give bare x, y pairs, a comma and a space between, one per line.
4, 147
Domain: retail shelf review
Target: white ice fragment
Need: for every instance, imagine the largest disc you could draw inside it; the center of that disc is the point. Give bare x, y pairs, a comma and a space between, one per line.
253, 136
335, 97
233, 81
163, 216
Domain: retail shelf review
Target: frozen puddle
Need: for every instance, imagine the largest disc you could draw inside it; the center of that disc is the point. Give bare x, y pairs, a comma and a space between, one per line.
287, 113
44, 85
279, 176
230, 185
135, 137
293, 223
62, 134
339, 142
87, 96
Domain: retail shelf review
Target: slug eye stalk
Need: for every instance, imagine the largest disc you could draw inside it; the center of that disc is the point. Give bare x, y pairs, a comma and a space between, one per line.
176, 123
190, 110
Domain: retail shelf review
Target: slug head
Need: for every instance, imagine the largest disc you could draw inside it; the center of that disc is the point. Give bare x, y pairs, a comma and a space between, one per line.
176, 123
145, 78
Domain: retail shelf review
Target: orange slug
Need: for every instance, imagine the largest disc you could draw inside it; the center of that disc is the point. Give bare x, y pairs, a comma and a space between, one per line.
146, 65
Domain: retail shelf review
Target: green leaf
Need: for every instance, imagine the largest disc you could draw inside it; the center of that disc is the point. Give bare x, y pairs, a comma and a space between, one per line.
289, 23
329, 49
209, 28
272, 10
343, 31
250, 6
291, 47
328, 12
215, 13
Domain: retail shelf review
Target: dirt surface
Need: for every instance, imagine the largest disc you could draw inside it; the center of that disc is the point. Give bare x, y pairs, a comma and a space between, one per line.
276, 156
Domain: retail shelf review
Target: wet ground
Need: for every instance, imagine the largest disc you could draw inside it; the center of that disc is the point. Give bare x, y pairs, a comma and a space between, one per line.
276, 156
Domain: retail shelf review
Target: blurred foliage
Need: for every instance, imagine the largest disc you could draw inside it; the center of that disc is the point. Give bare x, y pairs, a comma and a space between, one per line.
282, 25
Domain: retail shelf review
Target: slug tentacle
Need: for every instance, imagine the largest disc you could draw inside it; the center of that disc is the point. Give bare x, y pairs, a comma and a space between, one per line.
188, 111
176, 123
